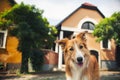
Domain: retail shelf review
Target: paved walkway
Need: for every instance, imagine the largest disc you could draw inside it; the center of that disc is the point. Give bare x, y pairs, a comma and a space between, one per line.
105, 75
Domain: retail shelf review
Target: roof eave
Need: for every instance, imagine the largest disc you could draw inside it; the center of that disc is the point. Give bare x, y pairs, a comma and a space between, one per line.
82, 6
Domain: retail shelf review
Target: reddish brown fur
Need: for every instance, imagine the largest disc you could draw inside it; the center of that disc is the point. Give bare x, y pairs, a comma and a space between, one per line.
90, 69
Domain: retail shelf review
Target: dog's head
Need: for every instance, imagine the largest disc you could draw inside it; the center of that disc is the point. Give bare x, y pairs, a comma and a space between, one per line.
75, 49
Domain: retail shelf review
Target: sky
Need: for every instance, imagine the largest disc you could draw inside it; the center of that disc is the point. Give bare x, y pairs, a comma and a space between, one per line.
56, 10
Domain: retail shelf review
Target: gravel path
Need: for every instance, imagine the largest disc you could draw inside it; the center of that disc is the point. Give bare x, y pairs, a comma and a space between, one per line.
105, 75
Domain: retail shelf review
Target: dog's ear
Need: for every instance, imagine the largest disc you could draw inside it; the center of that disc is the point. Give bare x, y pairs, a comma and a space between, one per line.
62, 42
82, 36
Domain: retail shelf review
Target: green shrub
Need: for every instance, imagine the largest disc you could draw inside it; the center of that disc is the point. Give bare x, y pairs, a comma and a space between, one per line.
37, 60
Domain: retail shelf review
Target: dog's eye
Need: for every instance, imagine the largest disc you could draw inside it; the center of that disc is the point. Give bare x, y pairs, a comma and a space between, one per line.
80, 46
71, 49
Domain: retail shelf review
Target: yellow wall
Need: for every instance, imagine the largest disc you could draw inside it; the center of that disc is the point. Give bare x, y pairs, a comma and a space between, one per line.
105, 54
10, 53
74, 20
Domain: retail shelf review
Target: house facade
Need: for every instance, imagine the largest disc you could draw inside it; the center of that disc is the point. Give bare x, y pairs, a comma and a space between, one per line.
10, 57
8, 44
82, 19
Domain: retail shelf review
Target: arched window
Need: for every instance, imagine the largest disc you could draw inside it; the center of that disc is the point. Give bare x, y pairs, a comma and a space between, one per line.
88, 25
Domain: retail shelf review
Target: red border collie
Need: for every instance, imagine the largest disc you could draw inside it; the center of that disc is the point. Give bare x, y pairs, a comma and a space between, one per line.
80, 65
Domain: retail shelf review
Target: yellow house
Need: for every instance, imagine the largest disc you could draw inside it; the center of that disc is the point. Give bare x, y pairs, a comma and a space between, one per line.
82, 19
8, 44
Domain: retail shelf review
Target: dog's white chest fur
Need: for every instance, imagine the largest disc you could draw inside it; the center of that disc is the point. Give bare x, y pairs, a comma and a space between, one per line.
77, 73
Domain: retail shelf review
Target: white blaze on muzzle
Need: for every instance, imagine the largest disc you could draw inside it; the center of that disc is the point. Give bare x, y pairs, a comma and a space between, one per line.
79, 55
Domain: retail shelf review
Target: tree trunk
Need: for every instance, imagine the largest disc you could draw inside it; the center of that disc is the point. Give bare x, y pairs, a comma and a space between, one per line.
24, 64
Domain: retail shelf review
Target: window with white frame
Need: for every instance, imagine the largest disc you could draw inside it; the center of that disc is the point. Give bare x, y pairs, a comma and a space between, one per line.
88, 25
105, 44
3, 36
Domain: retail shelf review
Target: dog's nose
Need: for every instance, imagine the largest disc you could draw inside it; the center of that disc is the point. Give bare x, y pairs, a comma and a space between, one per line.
79, 59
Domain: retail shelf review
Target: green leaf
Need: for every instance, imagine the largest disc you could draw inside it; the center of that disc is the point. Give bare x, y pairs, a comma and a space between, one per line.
109, 28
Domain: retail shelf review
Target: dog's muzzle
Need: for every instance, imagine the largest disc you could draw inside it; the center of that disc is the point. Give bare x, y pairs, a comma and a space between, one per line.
80, 61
